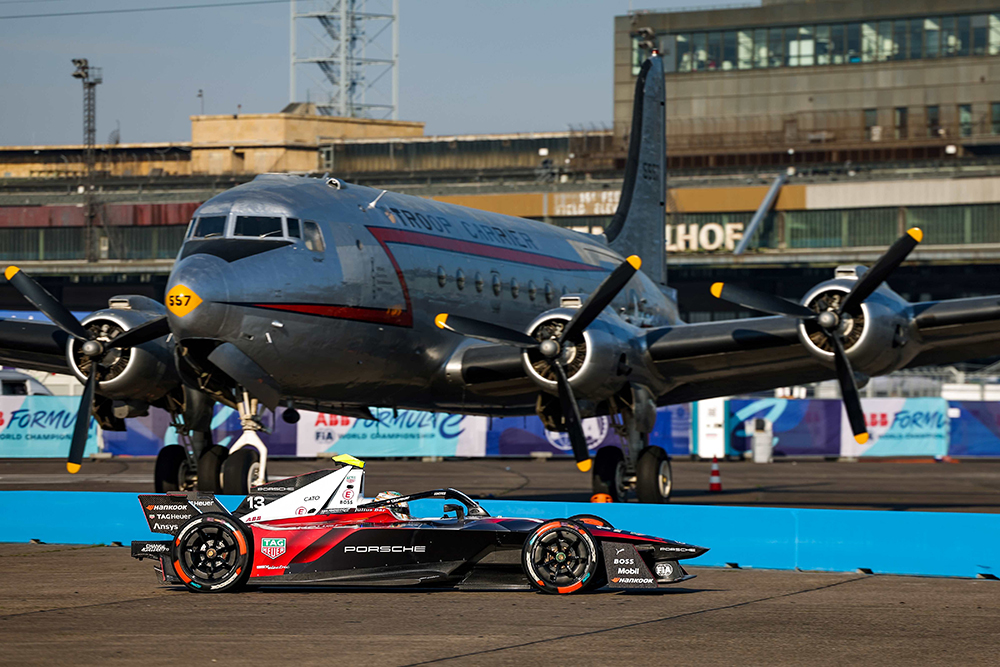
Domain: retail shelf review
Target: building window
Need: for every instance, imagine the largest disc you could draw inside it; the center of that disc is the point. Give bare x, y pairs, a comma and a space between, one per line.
979, 34
886, 47
837, 43
791, 47
899, 40
806, 46
775, 52
699, 49
994, 36
872, 130
932, 38
949, 38
995, 117
964, 24
728, 50
933, 121
744, 40
683, 53
869, 42
965, 120
823, 45
714, 50
901, 121
916, 38
760, 48
853, 42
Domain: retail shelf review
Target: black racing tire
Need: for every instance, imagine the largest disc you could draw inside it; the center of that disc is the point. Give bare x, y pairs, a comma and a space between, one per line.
210, 468
592, 520
561, 557
654, 478
239, 470
213, 553
609, 473
171, 469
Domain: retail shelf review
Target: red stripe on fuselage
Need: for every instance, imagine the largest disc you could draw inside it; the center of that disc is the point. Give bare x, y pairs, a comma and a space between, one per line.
395, 317
389, 235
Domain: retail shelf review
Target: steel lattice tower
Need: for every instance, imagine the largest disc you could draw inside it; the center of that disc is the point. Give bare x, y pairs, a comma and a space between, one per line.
354, 45
90, 76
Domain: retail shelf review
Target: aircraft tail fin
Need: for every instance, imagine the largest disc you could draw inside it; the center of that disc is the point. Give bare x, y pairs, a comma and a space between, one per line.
638, 227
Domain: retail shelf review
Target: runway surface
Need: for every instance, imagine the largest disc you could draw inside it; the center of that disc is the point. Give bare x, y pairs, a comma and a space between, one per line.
95, 605
968, 486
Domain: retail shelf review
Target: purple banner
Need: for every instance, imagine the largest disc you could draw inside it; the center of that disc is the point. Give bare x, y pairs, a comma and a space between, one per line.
975, 429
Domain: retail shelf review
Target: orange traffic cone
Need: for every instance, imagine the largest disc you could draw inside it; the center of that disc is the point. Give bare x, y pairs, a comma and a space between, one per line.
714, 481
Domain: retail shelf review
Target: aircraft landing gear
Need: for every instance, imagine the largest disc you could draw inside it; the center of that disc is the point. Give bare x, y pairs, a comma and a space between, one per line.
246, 465
637, 465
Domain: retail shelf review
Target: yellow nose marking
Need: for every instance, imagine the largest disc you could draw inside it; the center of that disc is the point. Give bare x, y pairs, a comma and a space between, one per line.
182, 300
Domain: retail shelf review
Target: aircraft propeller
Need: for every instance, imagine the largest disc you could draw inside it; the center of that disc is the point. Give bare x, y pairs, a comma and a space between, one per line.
92, 348
830, 320
553, 348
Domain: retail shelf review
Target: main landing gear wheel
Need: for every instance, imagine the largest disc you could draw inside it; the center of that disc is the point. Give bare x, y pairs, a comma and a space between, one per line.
239, 471
654, 478
210, 469
211, 554
609, 473
173, 471
560, 557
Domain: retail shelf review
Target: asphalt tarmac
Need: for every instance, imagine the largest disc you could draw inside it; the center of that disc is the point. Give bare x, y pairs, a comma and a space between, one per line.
95, 605
921, 485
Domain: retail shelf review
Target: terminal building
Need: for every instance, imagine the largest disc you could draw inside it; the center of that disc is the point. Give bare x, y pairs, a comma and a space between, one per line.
880, 115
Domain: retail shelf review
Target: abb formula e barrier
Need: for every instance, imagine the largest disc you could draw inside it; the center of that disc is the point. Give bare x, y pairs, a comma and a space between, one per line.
319, 529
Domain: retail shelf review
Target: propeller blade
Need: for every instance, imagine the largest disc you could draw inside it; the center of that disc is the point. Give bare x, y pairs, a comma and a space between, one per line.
493, 333
82, 425
885, 265
571, 415
46, 303
849, 390
142, 334
766, 303
601, 297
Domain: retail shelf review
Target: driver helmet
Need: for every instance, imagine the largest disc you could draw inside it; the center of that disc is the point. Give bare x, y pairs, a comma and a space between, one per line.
400, 510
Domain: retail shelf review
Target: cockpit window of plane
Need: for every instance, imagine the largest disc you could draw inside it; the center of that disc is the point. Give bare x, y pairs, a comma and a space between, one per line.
210, 226
313, 236
258, 226
293, 228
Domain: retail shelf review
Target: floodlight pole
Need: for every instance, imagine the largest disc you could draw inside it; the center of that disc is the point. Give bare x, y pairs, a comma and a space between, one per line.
90, 77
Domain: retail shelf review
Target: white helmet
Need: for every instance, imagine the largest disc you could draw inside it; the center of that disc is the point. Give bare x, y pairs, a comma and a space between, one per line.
401, 510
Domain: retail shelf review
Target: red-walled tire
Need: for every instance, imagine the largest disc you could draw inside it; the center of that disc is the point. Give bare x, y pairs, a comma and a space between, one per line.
560, 557
213, 553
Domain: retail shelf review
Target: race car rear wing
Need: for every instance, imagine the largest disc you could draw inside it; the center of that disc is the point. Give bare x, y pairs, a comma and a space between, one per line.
166, 513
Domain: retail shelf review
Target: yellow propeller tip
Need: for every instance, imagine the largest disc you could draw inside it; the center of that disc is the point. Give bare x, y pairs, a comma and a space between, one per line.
862, 438
584, 466
635, 261
441, 320
916, 233
11, 270
72, 467
717, 290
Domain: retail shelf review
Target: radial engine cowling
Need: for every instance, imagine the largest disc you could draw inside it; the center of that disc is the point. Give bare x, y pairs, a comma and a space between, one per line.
143, 373
595, 363
876, 335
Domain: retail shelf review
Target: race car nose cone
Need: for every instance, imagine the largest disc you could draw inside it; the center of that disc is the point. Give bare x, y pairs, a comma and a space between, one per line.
197, 298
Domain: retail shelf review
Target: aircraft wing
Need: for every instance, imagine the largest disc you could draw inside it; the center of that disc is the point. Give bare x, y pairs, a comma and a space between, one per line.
38, 346
739, 356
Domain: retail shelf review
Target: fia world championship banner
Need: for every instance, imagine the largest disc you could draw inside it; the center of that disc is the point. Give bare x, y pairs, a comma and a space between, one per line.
900, 427
400, 433
40, 426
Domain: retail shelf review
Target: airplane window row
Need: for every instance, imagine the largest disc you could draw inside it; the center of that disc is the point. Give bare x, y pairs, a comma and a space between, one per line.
496, 284
259, 226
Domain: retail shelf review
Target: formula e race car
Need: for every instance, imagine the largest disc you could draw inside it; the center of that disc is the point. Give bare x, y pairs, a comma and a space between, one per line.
318, 529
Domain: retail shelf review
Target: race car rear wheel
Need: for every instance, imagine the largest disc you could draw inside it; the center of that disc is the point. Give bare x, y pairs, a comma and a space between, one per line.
560, 557
213, 553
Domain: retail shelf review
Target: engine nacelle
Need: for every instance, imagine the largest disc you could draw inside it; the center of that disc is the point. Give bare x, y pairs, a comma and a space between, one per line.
876, 335
596, 363
143, 373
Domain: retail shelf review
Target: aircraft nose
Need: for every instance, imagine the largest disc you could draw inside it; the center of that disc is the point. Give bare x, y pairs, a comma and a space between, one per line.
197, 298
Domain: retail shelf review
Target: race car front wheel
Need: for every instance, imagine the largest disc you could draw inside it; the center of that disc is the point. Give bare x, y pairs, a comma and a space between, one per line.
213, 553
560, 557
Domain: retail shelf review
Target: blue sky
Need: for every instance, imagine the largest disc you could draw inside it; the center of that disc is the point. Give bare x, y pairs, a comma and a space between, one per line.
466, 66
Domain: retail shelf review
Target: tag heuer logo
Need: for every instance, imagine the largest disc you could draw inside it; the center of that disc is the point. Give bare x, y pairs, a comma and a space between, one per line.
272, 547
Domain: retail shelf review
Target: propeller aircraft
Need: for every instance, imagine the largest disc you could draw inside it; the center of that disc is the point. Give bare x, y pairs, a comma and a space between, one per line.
312, 293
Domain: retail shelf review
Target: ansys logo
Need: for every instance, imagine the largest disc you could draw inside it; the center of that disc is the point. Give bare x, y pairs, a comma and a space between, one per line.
272, 547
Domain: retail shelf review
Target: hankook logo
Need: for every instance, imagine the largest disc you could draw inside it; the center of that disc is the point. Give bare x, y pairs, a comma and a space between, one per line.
385, 549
